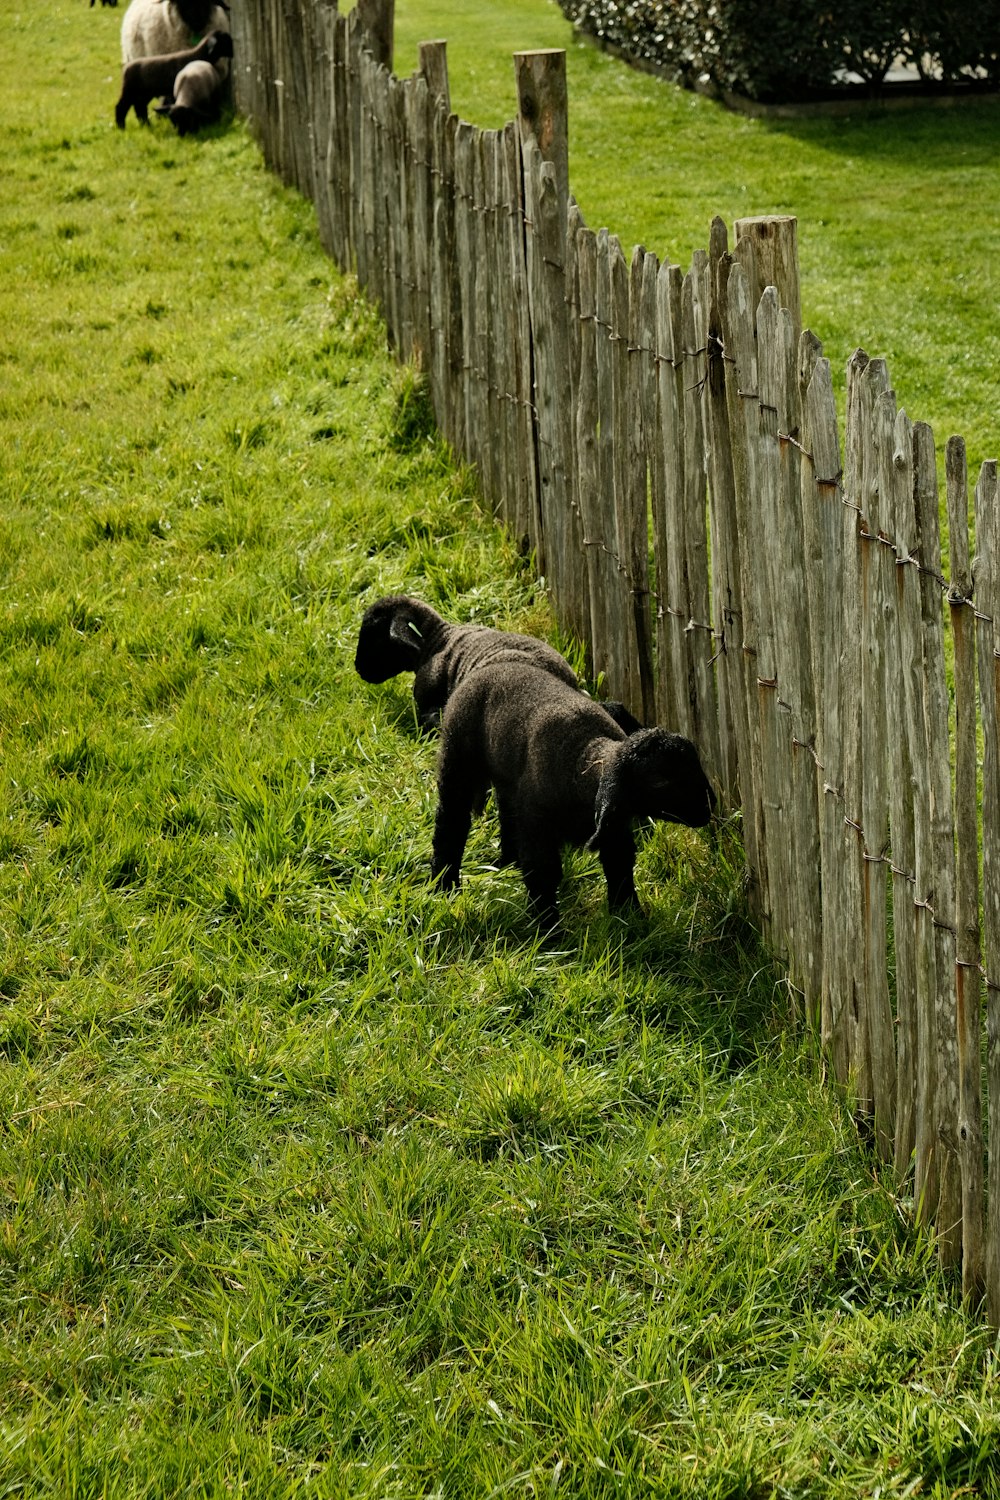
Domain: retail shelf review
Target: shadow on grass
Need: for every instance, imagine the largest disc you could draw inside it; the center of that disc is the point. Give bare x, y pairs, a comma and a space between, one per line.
692, 963
923, 138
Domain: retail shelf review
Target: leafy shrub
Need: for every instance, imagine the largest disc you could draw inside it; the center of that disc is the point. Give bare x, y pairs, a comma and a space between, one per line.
964, 39
792, 49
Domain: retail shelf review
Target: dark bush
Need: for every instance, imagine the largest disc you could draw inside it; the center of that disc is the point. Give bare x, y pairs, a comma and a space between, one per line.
796, 49
963, 39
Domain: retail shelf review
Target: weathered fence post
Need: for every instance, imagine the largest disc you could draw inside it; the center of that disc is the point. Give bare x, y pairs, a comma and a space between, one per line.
775, 241
433, 68
543, 113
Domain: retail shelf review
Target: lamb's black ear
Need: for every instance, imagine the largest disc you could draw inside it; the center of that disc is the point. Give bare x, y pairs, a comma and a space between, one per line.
608, 804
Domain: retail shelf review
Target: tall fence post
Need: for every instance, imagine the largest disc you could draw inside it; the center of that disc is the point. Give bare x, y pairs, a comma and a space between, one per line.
775, 241
543, 114
432, 62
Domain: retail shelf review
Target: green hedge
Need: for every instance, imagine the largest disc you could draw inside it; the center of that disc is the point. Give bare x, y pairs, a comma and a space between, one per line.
794, 49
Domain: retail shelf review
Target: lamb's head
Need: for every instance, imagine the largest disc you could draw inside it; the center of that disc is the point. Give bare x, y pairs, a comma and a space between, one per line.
653, 774
196, 13
196, 94
392, 638
217, 44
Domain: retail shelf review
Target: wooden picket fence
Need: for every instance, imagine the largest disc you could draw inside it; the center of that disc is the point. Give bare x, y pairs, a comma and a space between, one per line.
667, 443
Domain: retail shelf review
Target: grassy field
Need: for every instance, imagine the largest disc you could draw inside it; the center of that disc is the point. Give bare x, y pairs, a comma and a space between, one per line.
897, 226
314, 1182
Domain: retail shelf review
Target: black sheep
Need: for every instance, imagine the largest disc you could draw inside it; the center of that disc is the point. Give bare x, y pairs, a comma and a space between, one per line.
150, 78
401, 634
563, 773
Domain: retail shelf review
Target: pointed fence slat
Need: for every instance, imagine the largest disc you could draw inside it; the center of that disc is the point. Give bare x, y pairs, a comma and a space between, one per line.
695, 297
610, 389
764, 511
968, 1006
910, 635
878, 558
673, 701
896, 483
741, 388
586, 407
823, 541
948, 1214
726, 593
986, 580
528, 522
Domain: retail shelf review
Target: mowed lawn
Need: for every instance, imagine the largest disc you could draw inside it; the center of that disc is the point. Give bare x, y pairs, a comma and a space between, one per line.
314, 1182
896, 208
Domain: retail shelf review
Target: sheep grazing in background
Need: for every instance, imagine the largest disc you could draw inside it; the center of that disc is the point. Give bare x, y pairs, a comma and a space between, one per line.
401, 634
154, 28
562, 773
197, 98
103, 3
150, 78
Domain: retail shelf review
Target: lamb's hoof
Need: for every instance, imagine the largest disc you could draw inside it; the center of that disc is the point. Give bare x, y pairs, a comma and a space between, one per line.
546, 919
630, 915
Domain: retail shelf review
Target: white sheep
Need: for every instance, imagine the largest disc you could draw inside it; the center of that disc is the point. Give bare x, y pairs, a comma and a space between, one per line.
151, 28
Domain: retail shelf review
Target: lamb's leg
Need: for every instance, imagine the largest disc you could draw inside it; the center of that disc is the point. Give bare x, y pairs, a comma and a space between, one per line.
451, 830
508, 832
617, 855
541, 867
459, 792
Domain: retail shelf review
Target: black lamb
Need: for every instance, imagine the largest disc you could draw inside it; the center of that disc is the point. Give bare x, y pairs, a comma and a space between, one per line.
562, 773
401, 634
149, 78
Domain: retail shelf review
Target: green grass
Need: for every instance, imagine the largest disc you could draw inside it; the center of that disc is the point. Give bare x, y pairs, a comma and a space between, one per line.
314, 1182
897, 239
